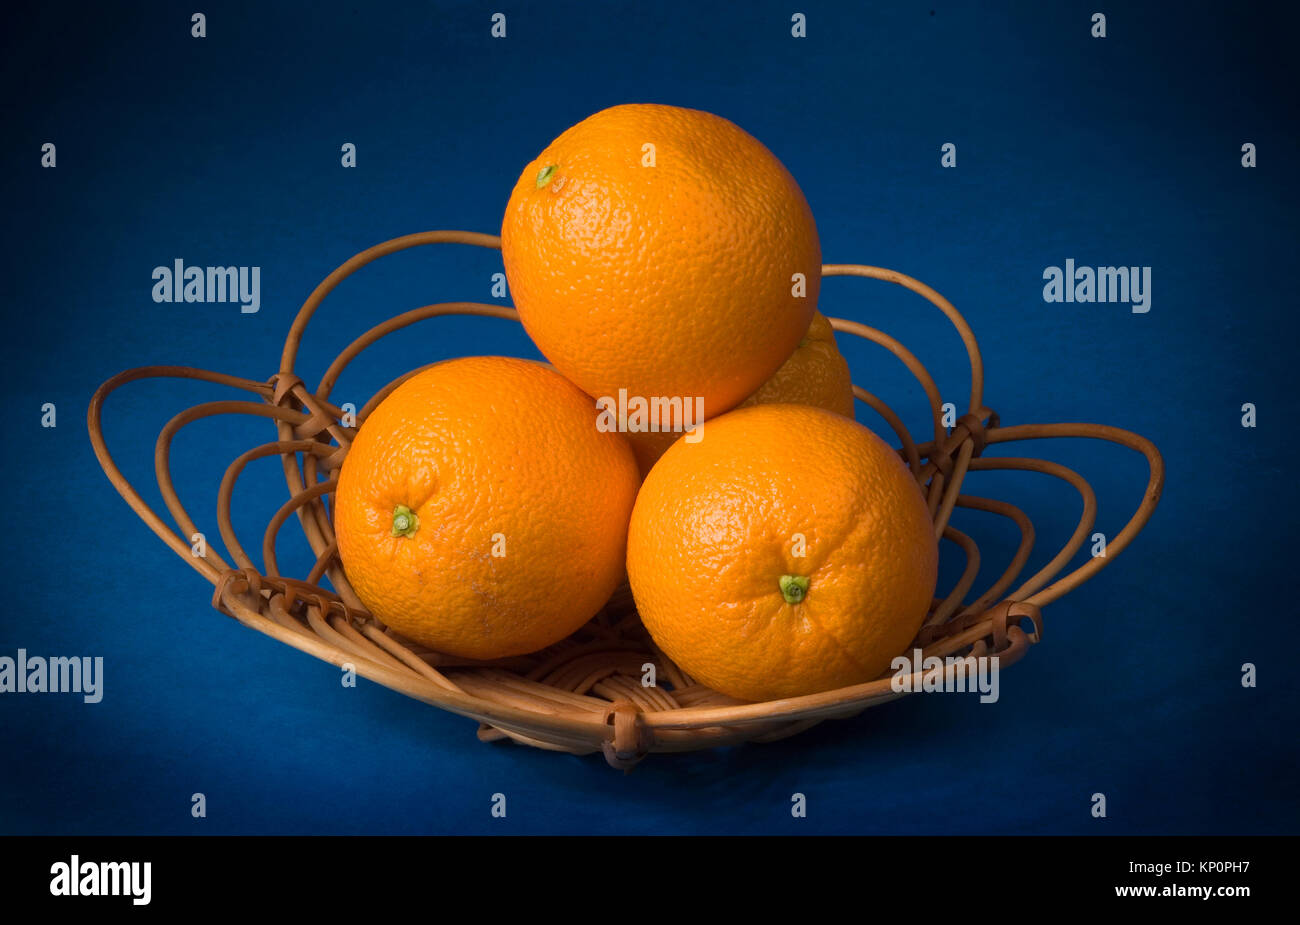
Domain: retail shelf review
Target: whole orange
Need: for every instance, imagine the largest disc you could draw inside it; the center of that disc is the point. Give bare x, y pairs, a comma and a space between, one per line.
664, 251
480, 512
815, 374
788, 552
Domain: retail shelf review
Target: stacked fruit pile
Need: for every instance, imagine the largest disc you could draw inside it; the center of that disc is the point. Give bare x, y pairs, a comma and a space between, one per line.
695, 436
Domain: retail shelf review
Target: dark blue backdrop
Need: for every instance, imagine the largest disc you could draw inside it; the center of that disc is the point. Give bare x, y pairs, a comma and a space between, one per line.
225, 151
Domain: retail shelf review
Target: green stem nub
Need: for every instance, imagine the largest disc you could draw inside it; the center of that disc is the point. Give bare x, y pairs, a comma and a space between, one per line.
405, 523
545, 174
794, 588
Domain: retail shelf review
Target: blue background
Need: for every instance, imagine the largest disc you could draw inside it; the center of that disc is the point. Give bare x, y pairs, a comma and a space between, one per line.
225, 151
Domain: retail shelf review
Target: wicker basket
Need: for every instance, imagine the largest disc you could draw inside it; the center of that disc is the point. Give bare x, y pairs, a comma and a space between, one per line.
585, 694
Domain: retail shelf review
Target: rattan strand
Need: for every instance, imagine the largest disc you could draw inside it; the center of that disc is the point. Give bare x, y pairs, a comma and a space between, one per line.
585, 694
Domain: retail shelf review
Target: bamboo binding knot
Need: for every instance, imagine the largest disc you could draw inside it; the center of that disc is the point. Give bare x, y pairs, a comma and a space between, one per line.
977, 430
301, 594
282, 386
231, 580
632, 738
1005, 630
289, 391
969, 426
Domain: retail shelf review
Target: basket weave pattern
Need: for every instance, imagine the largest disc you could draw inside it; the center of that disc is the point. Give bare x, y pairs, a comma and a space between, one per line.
585, 694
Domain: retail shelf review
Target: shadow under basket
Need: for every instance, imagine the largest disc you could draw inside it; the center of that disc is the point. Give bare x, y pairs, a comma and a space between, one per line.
586, 693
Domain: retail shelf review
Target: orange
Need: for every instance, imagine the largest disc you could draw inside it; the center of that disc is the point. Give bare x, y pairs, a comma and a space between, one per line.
714, 553
815, 374
480, 512
664, 251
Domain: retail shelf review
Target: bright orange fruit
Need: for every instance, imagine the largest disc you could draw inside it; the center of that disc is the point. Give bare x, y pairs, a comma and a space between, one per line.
815, 374
664, 251
480, 512
714, 553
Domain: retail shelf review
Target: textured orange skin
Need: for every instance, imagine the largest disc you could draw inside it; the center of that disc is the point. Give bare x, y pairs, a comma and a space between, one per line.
475, 447
712, 534
815, 374
673, 280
